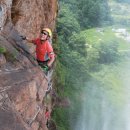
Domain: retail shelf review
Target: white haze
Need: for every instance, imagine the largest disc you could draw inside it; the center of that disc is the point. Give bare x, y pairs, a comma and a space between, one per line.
99, 113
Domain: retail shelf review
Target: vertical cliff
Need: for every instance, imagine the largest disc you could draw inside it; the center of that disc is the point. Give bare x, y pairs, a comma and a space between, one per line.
23, 84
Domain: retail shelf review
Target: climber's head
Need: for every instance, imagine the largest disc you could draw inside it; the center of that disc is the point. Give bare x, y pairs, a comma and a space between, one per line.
46, 34
48, 31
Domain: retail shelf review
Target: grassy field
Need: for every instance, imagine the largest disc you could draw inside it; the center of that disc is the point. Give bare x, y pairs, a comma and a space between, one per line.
106, 34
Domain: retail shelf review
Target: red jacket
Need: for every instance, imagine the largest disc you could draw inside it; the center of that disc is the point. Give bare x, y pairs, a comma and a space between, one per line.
44, 50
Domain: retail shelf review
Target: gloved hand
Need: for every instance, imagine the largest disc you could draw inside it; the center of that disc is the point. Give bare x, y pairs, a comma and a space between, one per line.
23, 37
46, 67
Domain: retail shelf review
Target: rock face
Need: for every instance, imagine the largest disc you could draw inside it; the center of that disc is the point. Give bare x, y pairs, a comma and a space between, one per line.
23, 84
30, 15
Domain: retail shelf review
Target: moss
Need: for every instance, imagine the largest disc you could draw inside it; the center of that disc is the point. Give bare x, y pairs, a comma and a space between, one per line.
2, 50
11, 57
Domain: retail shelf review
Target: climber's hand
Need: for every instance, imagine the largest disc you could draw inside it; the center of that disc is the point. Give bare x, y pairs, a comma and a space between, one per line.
23, 37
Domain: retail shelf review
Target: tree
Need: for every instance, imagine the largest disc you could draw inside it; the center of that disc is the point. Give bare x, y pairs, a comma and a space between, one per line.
93, 13
67, 23
108, 51
77, 43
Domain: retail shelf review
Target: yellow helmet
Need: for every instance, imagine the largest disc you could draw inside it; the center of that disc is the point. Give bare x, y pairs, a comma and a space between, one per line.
48, 30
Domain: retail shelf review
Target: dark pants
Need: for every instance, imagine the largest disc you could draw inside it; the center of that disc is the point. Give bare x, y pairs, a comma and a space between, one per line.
47, 123
42, 63
44, 66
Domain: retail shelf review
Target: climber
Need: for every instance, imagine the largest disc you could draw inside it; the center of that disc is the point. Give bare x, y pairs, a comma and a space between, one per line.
47, 117
44, 51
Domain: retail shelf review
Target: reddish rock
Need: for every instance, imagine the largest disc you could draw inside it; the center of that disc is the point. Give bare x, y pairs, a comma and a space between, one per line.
23, 84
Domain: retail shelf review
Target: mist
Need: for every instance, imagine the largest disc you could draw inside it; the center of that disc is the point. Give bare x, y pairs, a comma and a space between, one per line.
99, 112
